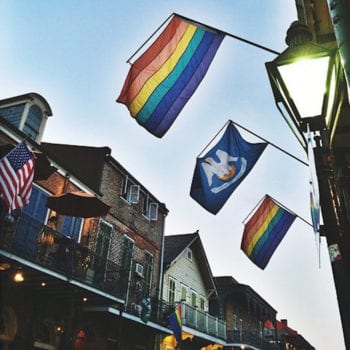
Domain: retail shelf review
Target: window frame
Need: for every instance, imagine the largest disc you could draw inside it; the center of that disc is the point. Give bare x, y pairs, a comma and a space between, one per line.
189, 254
129, 191
194, 298
149, 209
184, 288
171, 291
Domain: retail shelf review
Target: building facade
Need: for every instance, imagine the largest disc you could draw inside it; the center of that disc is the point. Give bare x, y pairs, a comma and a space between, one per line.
188, 282
86, 265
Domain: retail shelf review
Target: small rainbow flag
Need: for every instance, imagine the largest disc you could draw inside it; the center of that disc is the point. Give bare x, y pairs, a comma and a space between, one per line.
164, 77
264, 231
175, 323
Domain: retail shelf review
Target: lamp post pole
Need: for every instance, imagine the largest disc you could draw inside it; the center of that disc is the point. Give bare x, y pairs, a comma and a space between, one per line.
327, 120
333, 230
329, 20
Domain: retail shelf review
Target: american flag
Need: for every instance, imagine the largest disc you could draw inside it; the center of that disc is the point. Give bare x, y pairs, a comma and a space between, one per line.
16, 177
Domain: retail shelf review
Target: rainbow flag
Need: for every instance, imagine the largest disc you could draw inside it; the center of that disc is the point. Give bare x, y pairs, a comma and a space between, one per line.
164, 77
264, 231
175, 323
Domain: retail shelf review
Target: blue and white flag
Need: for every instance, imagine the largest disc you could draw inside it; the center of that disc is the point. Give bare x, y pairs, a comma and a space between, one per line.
219, 172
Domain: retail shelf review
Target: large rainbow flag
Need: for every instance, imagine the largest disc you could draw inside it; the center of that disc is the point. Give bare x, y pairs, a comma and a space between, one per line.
264, 231
164, 77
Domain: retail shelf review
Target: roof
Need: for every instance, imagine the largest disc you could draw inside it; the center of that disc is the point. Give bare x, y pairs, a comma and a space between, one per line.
84, 162
174, 245
227, 285
29, 96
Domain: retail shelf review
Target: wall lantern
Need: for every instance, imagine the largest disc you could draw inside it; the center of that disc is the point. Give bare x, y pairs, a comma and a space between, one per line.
305, 81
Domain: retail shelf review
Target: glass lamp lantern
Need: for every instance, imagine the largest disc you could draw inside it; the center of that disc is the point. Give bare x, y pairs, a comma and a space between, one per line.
305, 82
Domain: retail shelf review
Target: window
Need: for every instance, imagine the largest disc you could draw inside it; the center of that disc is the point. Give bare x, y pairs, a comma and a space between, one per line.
171, 292
71, 227
150, 209
148, 271
183, 292
194, 298
30, 224
202, 303
235, 322
189, 254
130, 192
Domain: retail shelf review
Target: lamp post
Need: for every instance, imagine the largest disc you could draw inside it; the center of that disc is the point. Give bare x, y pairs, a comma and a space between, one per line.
308, 85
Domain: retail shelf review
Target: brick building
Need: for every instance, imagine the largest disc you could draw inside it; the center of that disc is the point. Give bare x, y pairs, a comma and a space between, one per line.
94, 279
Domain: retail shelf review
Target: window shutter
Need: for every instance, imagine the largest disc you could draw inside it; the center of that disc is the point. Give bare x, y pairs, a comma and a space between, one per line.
124, 187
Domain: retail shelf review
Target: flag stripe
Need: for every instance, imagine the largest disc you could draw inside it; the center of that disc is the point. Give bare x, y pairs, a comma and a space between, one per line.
163, 79
152, 59
263, 256
265, 230
8, 181
158, 77
269, 221
168, 83
181, 91
16, 177
254, 223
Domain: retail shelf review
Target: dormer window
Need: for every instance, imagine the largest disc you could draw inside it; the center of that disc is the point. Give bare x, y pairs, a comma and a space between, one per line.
28, 113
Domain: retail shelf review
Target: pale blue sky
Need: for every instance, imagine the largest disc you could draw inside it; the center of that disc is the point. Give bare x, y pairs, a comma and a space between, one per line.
74, 53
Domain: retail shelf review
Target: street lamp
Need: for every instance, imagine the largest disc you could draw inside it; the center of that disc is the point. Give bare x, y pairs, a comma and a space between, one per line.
305, 81
308, 84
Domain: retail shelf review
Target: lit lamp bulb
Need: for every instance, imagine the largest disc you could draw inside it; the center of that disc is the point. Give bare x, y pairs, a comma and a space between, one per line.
18, 277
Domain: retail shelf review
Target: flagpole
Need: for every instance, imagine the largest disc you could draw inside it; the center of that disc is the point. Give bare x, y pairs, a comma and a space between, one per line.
229, 34
270, 143
205, 147
250, 213
291, 211
205, 26
148, 39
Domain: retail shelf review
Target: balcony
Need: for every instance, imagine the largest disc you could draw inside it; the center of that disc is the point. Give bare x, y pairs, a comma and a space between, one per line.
191, 317
64, 256
61, 255
251, 338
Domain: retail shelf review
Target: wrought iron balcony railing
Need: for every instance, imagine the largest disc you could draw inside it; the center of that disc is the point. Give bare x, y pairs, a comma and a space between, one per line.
30, 239
252, 338
191, 317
